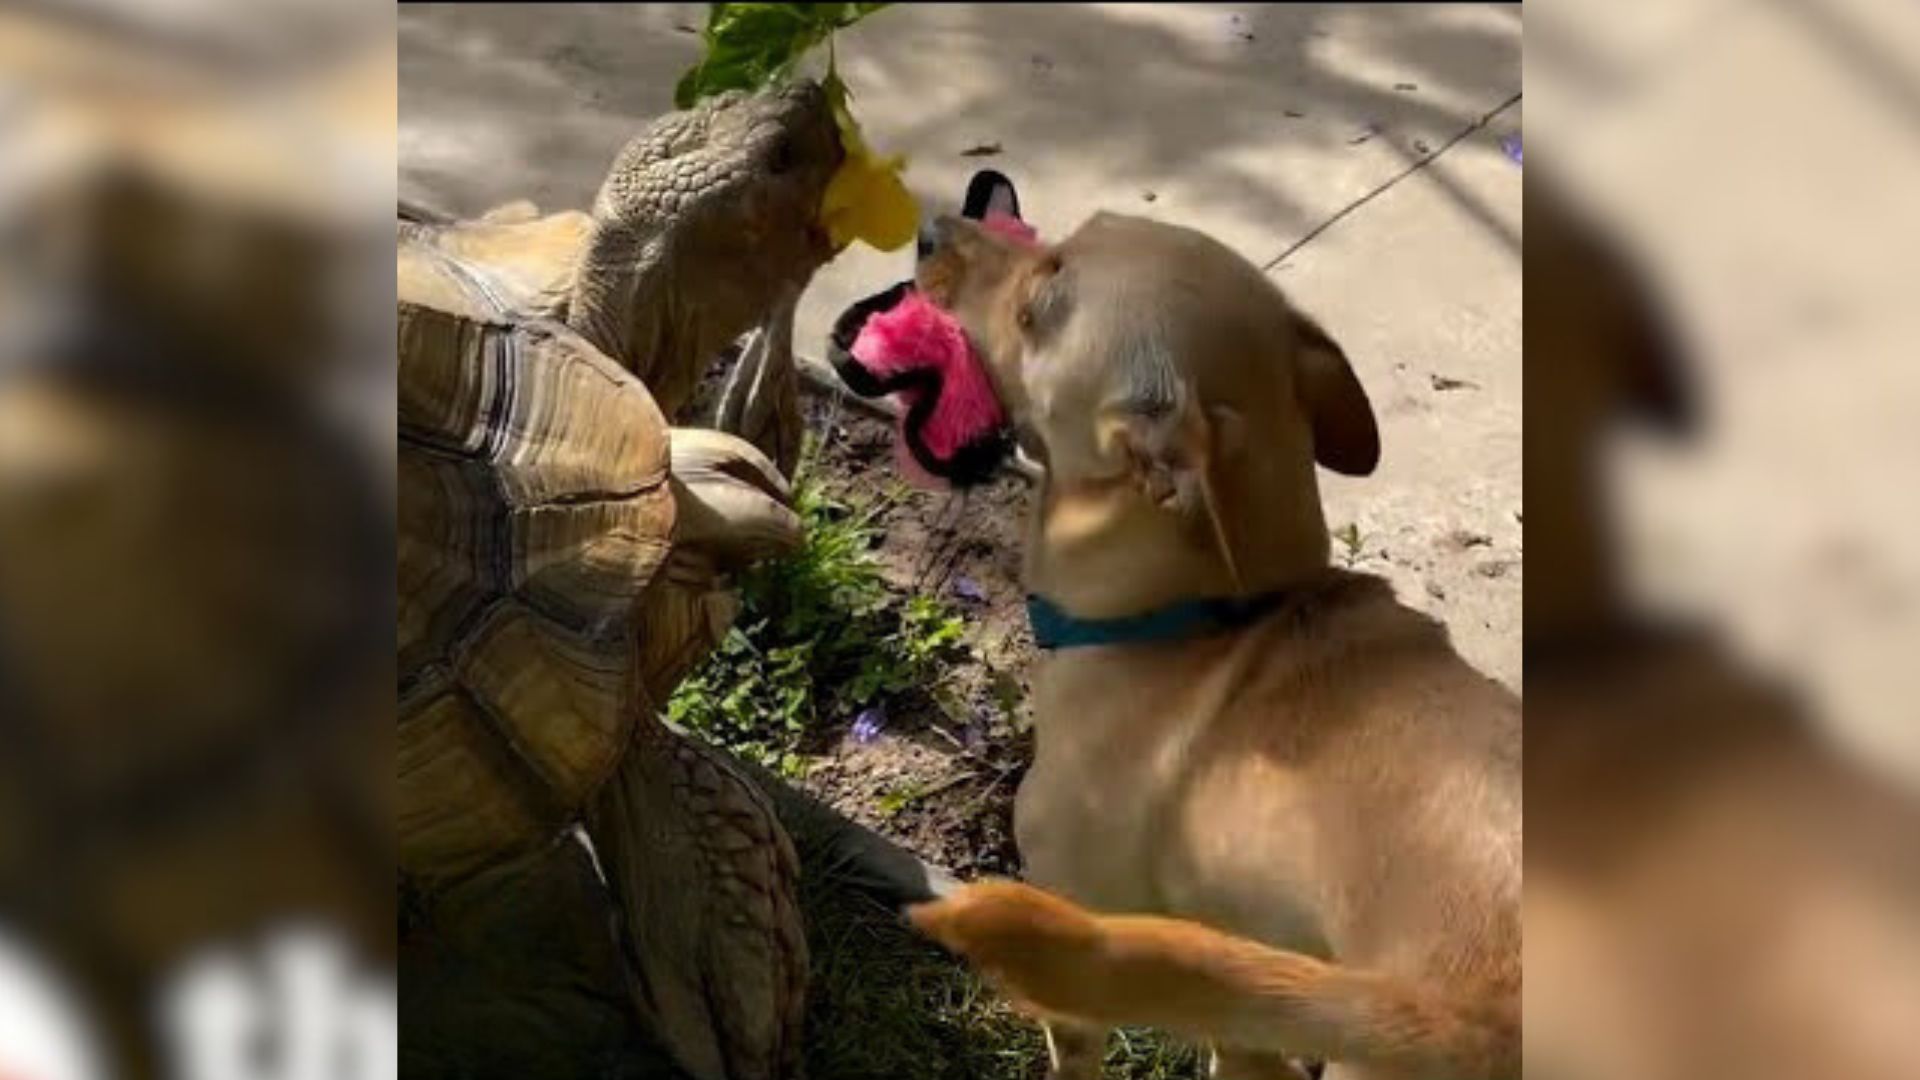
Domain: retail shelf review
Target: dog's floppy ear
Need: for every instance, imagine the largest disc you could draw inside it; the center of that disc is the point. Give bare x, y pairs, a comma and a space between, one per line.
1345, 438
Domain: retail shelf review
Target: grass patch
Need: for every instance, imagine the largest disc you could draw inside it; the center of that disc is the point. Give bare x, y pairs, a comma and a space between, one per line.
820, 637
885, 1004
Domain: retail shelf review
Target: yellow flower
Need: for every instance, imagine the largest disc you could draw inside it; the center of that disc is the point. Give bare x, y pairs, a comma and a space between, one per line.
865, 199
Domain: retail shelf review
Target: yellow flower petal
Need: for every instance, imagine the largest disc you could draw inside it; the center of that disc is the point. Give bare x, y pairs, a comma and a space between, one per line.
866, 200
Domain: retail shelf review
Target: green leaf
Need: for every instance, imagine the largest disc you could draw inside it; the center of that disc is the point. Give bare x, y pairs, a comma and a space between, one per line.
827, 15
749, 46
686, 91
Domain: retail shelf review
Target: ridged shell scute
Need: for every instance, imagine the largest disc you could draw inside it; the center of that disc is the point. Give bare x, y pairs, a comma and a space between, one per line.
534, 509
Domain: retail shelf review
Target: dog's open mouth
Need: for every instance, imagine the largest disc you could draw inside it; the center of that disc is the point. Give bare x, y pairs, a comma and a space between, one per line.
898, 343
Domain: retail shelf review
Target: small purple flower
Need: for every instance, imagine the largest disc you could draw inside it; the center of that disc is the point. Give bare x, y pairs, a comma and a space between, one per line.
966, 588
974, 735
1511, 144
866, 726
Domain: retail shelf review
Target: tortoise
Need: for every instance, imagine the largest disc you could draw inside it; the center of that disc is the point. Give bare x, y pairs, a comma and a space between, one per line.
564, 552
704, 227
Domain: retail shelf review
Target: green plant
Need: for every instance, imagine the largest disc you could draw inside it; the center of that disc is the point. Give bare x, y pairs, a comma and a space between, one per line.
751, 45
1353, 540
819, 638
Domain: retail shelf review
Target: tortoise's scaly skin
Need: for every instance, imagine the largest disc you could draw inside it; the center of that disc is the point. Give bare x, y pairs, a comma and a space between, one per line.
547, 604
734, 215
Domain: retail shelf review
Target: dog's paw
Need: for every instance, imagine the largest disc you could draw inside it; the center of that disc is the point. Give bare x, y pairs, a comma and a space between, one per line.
1032, 945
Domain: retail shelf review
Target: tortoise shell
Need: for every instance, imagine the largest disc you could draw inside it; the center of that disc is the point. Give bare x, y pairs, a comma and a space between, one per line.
534, 508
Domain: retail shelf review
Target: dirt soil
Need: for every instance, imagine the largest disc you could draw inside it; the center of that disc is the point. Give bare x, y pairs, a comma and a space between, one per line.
954, 778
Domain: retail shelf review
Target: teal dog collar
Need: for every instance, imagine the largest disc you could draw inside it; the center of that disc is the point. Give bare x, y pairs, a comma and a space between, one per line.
1054, 628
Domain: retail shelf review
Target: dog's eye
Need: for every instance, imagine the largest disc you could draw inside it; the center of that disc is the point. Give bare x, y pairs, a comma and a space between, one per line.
1025, 318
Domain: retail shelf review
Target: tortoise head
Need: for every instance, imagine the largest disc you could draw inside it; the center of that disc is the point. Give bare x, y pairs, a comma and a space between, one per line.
706, 220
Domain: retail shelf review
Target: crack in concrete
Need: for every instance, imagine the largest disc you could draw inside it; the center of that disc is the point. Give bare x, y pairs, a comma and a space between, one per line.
1485, 119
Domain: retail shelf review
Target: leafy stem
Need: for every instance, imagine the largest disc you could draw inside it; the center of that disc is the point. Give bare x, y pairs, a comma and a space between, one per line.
748, 46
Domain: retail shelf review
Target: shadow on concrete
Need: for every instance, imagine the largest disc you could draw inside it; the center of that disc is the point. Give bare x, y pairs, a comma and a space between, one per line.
551, 93
543, 96
1183, 113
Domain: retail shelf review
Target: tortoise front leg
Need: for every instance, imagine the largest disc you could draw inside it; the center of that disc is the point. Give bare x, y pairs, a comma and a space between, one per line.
703, 878
761, 401
700, 870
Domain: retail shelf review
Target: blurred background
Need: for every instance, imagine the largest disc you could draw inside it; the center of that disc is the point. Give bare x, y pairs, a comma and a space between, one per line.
1762, 158
1721, 615
196, 553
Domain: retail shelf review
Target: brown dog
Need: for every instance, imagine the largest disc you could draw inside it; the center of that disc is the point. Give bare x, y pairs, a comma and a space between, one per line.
1301, 761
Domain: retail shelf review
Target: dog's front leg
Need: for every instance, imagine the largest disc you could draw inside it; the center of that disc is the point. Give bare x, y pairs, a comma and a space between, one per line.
1054, 857
1076, 1051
